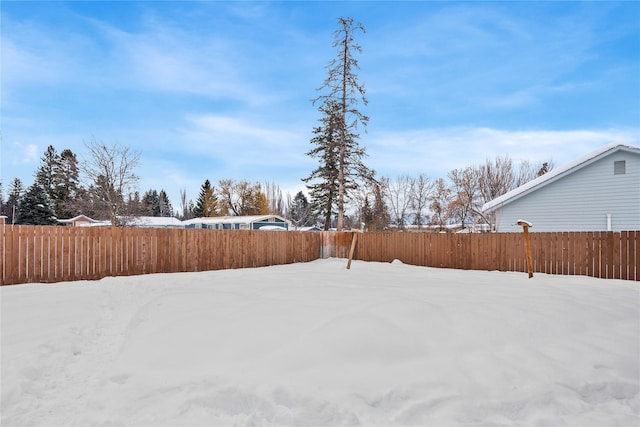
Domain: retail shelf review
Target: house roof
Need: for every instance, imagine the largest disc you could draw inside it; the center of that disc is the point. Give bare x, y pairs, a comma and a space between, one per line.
154, 221
76, 218
249, 219
558, 173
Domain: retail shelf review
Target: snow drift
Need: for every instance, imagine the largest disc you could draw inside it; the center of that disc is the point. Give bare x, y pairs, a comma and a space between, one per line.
315, 344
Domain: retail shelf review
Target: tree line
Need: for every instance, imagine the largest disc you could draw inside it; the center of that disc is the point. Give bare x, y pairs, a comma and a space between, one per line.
343, 191
103, 187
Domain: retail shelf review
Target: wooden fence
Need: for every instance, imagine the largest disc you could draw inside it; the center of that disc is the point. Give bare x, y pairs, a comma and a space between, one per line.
54, 254
611, 255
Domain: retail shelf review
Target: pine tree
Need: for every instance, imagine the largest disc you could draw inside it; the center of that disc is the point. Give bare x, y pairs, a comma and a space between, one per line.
149, 203
35, 208
67, 185
164, 205
546, 167
374, 215
14, 198
381, 218
324, 189
207, 202
46, 173
300, 210
156, 203
341, 101
134, 204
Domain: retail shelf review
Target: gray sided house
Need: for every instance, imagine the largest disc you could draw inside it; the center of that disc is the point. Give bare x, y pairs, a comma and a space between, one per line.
598, 192
251, 222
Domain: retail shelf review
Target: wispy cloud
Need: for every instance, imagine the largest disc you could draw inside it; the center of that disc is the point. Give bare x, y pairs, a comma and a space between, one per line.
251, 142
435, 152
493, 55
20, 154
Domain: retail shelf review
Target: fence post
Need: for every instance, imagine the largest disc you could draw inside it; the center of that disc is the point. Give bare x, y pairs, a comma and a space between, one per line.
354, 240
527, 245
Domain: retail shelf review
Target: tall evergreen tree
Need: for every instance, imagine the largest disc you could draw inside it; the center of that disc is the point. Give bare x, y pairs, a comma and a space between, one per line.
67, 185
344, 95
380, 217
14, 198
207, 202
91, 204
164, 205
546, 167
134, 204
150, 203
46, 173
36, 208
323, 187
300, 210
156, 203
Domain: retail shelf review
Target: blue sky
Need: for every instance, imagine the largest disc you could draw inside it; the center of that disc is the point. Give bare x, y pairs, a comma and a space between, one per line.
217, 90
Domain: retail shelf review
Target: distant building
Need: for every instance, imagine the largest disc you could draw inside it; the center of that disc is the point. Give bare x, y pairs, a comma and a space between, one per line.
153, 222
597, 192
309, 228
251, 222
82, 221
138, 221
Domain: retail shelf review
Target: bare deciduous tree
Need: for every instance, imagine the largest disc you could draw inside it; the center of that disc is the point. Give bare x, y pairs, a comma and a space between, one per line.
422, 190
398, 193
495, 178
185, 206
466, 194
371, 210
274, 197
242, 198
529, 171
110, 171
440, 199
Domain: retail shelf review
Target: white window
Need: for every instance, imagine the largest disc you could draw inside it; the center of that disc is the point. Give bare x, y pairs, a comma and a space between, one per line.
619, 167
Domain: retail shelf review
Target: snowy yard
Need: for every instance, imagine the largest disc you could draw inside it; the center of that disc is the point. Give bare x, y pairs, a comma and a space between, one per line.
315, 344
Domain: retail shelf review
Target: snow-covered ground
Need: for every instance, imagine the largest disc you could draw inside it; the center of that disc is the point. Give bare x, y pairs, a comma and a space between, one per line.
316, 344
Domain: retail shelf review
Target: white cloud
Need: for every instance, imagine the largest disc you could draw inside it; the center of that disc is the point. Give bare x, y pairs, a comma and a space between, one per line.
437, 151
33, 57
23, 154
245, 138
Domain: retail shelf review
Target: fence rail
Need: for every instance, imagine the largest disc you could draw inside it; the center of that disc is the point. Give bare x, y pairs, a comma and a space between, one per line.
54, 254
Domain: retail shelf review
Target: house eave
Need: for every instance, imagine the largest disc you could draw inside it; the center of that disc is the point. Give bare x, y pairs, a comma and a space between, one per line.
556, 174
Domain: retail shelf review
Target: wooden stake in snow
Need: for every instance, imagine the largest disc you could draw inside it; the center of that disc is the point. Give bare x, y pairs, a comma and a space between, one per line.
527, 244
354, 239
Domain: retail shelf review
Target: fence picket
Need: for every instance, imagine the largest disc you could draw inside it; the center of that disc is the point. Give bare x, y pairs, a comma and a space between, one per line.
633, 255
